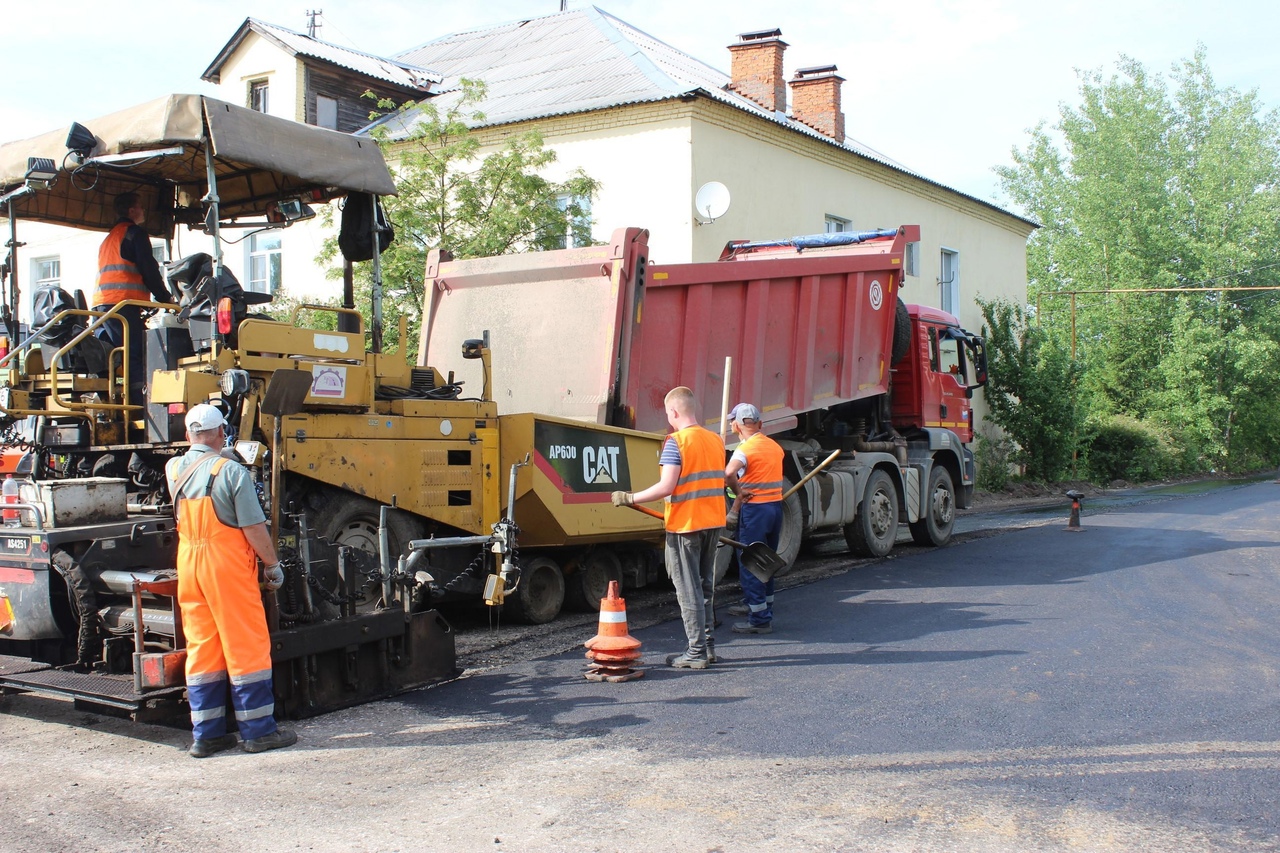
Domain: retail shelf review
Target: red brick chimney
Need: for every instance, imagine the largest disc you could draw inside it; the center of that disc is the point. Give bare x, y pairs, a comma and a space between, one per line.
757, 69
815, 100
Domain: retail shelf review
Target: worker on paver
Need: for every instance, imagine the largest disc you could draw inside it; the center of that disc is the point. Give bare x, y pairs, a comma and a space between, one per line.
127, 270
754, 473
222, 532
692, 479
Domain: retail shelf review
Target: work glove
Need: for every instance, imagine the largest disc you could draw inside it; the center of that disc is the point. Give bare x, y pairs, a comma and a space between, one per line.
622, 499
275, 577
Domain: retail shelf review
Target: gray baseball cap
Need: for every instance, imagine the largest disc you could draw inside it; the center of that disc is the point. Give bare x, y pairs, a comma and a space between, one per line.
745, 412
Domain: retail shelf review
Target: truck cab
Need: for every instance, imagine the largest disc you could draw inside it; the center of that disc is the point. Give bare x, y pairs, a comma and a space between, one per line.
934, 382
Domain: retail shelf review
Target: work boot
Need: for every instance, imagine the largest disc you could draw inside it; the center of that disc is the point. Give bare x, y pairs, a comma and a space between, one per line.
210, 746
685, 662
277, 739
748, 628
711, 652
739, 610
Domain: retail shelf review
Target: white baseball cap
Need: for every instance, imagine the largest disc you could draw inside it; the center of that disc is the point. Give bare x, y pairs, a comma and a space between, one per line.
745, 412
203, 417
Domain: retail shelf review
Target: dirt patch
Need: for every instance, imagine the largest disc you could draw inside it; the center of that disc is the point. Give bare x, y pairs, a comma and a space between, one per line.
1031, 494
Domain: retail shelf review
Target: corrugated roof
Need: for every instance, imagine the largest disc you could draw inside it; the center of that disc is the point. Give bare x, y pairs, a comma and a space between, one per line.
380, 68
582, 60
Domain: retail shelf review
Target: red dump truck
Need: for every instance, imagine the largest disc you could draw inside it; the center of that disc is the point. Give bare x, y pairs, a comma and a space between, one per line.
811, 330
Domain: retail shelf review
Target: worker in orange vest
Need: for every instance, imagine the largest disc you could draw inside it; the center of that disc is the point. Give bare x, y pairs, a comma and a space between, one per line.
754, 473
128, 270
222, 532
692, 481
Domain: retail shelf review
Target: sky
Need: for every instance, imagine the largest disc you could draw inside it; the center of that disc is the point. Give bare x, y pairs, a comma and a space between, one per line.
947, 89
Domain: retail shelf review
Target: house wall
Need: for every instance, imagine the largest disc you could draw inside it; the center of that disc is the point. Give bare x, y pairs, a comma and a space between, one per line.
260, 59
785, 184
640, 156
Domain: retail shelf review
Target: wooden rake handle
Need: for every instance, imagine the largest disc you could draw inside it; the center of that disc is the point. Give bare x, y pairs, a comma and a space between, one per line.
807, 477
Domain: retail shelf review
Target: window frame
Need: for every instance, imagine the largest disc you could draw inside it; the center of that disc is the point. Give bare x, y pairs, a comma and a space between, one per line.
842, 225
260, 86
949, 285
274, 272
334, 101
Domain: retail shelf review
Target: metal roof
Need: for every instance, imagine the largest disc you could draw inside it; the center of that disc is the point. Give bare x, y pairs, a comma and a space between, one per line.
380, 68
583, 60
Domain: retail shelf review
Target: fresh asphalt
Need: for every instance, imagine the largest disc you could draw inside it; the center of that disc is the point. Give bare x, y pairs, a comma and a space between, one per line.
1130, 668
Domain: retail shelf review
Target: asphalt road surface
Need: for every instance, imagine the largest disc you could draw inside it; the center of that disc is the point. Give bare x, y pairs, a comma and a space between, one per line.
1110, 689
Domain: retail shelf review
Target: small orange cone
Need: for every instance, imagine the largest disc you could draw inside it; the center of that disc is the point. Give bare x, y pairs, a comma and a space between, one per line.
612, 650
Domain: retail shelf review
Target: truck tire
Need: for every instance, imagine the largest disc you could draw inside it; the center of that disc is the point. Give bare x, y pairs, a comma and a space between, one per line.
590, 582
901, 333
540, 595
874, 531
934, 526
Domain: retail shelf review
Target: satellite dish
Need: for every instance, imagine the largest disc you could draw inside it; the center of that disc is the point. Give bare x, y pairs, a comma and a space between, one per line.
711, 202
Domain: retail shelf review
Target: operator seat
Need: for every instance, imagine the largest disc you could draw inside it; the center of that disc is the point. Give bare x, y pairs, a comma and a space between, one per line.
90, 354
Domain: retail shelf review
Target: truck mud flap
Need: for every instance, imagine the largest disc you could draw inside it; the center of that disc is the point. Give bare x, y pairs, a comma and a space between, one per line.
340, 663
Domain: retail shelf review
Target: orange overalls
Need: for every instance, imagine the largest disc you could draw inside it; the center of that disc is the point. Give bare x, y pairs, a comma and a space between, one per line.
223, 620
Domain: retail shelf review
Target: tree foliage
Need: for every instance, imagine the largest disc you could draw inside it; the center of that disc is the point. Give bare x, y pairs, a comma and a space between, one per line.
1031, 392
454, 197
1171, 183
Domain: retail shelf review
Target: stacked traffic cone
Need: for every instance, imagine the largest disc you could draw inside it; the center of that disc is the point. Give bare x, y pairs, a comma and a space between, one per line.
613, 649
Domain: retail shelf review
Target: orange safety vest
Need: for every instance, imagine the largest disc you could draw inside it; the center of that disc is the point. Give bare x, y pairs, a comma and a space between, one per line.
763, 476
118, 279
698, 500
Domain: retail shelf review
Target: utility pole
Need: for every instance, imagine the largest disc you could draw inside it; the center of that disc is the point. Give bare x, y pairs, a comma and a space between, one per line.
312, 26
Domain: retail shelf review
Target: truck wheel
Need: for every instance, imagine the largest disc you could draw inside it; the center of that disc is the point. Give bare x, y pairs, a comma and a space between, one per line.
726, 558
874, 531
901, 333
934, 527
540, 595
792, 532
590, 583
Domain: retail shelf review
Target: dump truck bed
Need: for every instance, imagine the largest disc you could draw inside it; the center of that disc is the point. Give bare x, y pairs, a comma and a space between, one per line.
806, 329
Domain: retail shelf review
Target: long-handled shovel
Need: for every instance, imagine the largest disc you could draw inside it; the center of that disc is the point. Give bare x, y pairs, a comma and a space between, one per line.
759, 559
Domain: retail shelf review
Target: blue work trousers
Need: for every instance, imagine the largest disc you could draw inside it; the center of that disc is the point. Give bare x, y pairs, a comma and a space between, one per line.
758, 522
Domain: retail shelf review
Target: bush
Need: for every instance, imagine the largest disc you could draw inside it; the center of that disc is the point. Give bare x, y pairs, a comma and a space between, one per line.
991, 456
1125, 448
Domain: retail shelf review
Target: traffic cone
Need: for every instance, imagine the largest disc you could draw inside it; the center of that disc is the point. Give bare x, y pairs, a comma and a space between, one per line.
1073, 522
612, 650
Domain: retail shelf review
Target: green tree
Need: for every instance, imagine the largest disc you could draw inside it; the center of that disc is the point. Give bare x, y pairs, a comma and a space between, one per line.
1155, 183
452, 198
1031, 392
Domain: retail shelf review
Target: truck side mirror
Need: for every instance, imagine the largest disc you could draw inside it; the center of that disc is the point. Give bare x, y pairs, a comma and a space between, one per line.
979, 361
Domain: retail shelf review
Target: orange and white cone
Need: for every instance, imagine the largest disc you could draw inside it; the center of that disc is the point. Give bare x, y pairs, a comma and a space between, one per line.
612, 650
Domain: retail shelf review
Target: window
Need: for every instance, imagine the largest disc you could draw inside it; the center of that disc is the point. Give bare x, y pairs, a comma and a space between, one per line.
326, 112
578, 232
44, 272
47, 272
157, 252
836, 225
264, 261
258, 95
949, 283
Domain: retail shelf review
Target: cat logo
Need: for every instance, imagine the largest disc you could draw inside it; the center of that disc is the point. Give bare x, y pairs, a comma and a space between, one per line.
584, 461
600, 465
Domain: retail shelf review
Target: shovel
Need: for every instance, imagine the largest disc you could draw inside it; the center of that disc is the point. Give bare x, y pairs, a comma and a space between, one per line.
758, 558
